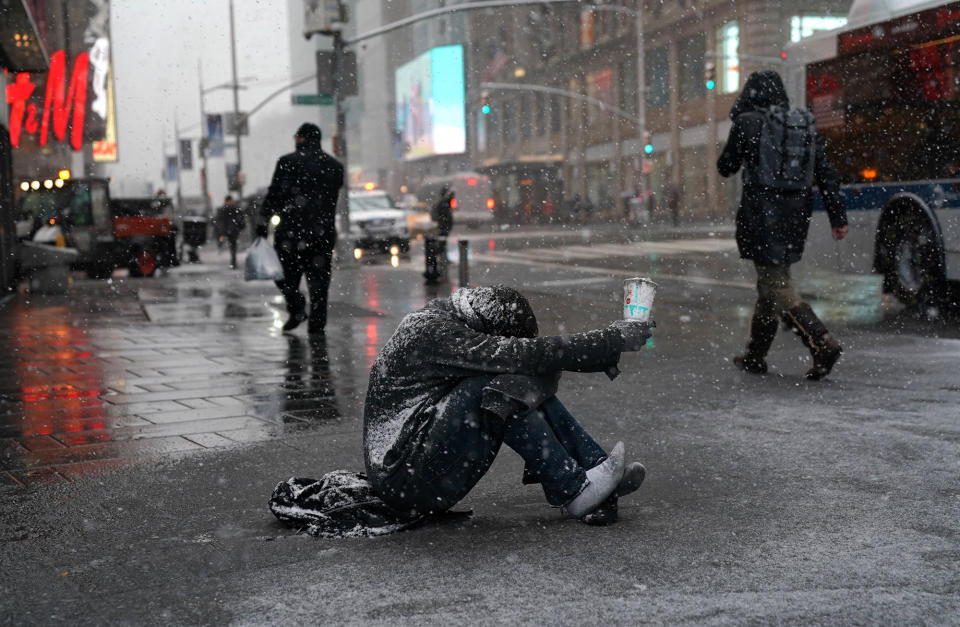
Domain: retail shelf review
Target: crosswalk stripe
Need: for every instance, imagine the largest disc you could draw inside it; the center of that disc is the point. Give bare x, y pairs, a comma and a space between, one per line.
633, 249
696, 280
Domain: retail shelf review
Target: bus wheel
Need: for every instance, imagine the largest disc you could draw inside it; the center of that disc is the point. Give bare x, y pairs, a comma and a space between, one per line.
915, 275
143, 263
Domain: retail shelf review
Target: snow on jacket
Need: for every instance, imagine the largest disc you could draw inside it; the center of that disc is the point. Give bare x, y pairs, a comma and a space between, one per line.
434, 349
772, 224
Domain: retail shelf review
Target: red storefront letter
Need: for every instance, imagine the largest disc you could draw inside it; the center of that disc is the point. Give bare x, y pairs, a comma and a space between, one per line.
63, 99
17, 94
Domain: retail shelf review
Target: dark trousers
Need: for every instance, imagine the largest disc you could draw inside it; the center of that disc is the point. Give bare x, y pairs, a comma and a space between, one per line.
464, 439
435, 258
775, 292
316, 264
232, 240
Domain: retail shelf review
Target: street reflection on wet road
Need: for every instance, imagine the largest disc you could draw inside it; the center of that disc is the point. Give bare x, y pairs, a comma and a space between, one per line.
127, 370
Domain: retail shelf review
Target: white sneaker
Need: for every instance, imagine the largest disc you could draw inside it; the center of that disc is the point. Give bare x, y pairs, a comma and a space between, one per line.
602, 480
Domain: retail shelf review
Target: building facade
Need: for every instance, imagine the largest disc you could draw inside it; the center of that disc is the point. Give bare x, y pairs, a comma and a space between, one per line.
561, 143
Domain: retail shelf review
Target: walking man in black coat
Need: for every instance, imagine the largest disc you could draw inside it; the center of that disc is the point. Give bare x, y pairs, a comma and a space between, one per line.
773, 219
467, 373
303, 194
230, 224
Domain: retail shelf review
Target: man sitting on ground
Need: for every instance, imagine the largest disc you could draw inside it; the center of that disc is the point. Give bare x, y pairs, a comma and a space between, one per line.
467, 373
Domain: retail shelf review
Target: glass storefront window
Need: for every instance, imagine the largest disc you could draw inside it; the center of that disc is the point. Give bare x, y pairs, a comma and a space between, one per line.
806, 25
692, 51
658, 78
728, 57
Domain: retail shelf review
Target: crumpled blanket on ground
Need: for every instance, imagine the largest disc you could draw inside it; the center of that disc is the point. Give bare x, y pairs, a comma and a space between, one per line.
340, 505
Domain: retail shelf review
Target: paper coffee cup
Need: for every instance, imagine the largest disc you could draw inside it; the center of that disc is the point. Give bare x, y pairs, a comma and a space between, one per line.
638, 294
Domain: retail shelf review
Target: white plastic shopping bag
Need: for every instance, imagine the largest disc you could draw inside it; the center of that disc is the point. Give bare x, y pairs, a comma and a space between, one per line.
262, 262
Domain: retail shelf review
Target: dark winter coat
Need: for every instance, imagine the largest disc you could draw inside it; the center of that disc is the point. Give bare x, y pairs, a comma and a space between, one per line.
303, 193
231, 221
438, 347
772, 224
442, 214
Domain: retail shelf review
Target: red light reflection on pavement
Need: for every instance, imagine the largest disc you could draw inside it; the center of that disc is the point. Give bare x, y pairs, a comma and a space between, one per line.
59, 381
371, 345
372, 290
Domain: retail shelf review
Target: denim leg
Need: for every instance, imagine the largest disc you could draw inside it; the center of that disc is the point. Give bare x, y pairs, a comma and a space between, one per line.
574, 438
556, 449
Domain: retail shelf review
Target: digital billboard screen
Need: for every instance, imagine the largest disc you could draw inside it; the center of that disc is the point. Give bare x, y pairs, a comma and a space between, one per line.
430, 103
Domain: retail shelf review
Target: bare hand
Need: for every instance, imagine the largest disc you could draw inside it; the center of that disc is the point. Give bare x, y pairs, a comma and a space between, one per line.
839, 232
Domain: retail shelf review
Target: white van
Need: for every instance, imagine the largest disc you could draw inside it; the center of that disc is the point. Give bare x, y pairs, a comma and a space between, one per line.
473, 193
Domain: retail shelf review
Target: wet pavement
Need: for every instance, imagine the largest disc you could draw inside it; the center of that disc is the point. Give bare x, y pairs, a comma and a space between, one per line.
144, 422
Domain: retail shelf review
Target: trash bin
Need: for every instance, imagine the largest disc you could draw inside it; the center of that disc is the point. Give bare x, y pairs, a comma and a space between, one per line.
194, 235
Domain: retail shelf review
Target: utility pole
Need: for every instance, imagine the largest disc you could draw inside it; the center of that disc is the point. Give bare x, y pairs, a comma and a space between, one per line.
236, 105
176, 148
207, 206
341, 137
641, 100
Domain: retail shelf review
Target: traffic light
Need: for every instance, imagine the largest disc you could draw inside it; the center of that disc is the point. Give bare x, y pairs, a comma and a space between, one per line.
484, 103
710, 75
647, 144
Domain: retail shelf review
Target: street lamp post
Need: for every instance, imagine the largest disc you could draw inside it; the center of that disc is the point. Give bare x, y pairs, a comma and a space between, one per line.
236, 105
641, 99
207, 205
341, 137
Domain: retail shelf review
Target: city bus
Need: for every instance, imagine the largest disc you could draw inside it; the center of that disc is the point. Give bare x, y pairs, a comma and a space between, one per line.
475, 203
885, 91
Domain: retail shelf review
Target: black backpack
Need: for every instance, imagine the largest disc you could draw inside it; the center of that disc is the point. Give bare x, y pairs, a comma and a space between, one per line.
787, 150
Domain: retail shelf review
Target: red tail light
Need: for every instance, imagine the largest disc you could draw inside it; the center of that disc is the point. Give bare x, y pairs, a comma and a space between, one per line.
453, 203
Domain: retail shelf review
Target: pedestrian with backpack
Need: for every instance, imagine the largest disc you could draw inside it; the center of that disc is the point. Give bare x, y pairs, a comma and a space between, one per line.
783, 159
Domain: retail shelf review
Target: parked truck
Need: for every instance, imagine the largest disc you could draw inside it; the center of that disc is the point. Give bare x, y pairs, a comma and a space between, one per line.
134, 233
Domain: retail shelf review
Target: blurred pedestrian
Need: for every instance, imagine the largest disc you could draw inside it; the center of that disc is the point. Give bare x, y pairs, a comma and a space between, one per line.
674, 194
435, 246
783, 158
467, 373
230, 223
303, 195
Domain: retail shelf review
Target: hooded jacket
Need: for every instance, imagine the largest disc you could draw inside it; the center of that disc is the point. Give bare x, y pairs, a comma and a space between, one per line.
303, 193
483, 331
772, 224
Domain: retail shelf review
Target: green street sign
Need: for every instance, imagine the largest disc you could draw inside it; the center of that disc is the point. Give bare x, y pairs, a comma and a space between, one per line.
311, 99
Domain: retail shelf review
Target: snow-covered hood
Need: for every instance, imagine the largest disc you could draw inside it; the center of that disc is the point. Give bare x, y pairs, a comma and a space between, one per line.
497, 310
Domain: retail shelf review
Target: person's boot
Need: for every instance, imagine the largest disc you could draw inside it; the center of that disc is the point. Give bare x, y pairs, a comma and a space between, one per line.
294, 321
824, 349
762, 331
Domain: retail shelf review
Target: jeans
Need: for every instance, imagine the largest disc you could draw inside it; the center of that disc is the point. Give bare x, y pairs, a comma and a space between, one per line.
464, 439
316, 264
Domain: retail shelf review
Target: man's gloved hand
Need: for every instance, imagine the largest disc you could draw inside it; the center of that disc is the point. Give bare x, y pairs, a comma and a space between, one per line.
635, 334
261, 230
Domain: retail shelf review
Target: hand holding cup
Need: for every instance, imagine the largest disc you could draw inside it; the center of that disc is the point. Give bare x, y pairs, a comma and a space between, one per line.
634, 333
